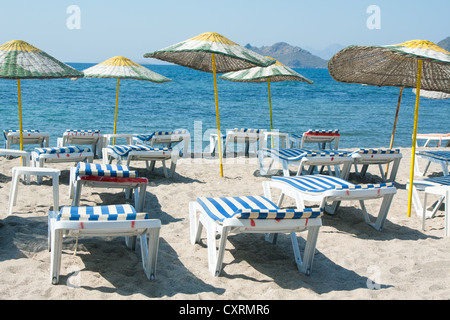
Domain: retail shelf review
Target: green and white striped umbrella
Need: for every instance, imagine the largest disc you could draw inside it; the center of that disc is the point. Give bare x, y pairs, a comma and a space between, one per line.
274, 73
413, 64
122, 68
20, 60
211, 52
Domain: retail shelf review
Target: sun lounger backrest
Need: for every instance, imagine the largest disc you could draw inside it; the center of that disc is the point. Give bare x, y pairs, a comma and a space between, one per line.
100, 213
104, 170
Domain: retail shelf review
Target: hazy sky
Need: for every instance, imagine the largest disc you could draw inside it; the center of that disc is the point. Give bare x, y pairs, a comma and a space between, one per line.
131, 28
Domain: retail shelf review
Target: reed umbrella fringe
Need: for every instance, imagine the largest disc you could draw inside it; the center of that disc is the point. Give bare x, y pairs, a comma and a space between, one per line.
119, 67
214, 53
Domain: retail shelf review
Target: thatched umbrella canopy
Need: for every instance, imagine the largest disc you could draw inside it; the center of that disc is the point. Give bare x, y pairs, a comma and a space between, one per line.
122, 68
414, 64
20, 60
211, 52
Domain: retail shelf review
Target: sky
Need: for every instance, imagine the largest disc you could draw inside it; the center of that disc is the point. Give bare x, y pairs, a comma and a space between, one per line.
98, 29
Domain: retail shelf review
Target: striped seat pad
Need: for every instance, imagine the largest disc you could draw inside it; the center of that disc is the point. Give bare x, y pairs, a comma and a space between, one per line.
363, 151
59, 150
246, 130
118, 212
298, 154
320, 183
433, 182
104, 170
252, 207
316, 132
81, 132
148, 137
124, 150
8, 131
440, 155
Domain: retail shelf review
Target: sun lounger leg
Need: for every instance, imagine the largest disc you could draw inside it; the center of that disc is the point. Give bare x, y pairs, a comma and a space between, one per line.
149, 252
195, 225
56, 248
310, 248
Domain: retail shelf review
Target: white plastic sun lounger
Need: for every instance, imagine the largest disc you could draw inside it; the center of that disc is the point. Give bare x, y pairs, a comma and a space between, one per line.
29, 137
142, 153
107, 221
81, 137
107, 176
303, 159
440, 139
165, 139
239, 136
440, 157
41, 156
366, 157
323, 189
253, 214
420, 185
321, 137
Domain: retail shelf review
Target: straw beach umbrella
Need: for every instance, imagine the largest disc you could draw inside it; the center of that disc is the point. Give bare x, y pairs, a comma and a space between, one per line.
274, 73
414, 64
211, 52
122, 68
20, 60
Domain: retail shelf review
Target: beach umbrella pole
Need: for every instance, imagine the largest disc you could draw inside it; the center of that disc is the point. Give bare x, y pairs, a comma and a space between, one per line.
19, 96
219, 137
413, 151
395, 124
270, 108
117, 107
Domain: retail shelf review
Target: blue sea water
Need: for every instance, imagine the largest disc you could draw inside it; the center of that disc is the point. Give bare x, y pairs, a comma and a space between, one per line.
363, 114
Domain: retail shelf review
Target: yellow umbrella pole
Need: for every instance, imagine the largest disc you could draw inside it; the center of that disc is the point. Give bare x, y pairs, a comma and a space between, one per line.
270, 108
219, 137
413, 151
395, 125
19, 96
117, 107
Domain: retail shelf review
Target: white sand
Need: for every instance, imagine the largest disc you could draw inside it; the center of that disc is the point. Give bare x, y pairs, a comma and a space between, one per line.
404, 261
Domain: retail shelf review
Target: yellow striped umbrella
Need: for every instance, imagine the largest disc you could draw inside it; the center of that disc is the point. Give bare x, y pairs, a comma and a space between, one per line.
122, 68
413, 64
20, 60
211, 52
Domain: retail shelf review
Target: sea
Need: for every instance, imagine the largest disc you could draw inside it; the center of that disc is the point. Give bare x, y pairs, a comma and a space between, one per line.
363, 114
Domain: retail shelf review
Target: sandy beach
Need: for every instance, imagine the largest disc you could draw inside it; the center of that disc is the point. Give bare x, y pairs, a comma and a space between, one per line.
352, 260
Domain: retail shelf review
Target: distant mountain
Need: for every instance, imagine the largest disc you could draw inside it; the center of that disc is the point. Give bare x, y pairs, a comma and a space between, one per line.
293, 57
445, 44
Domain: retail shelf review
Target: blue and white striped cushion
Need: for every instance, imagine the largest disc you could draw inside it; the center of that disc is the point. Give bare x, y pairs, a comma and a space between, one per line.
81, 132
104, 170
376, 151
246, 130
433, 182
124, 150
144, 137
252, 207
7, 131
322, 131
438, 154
321, 183
59, 150
298, 154
118, 212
